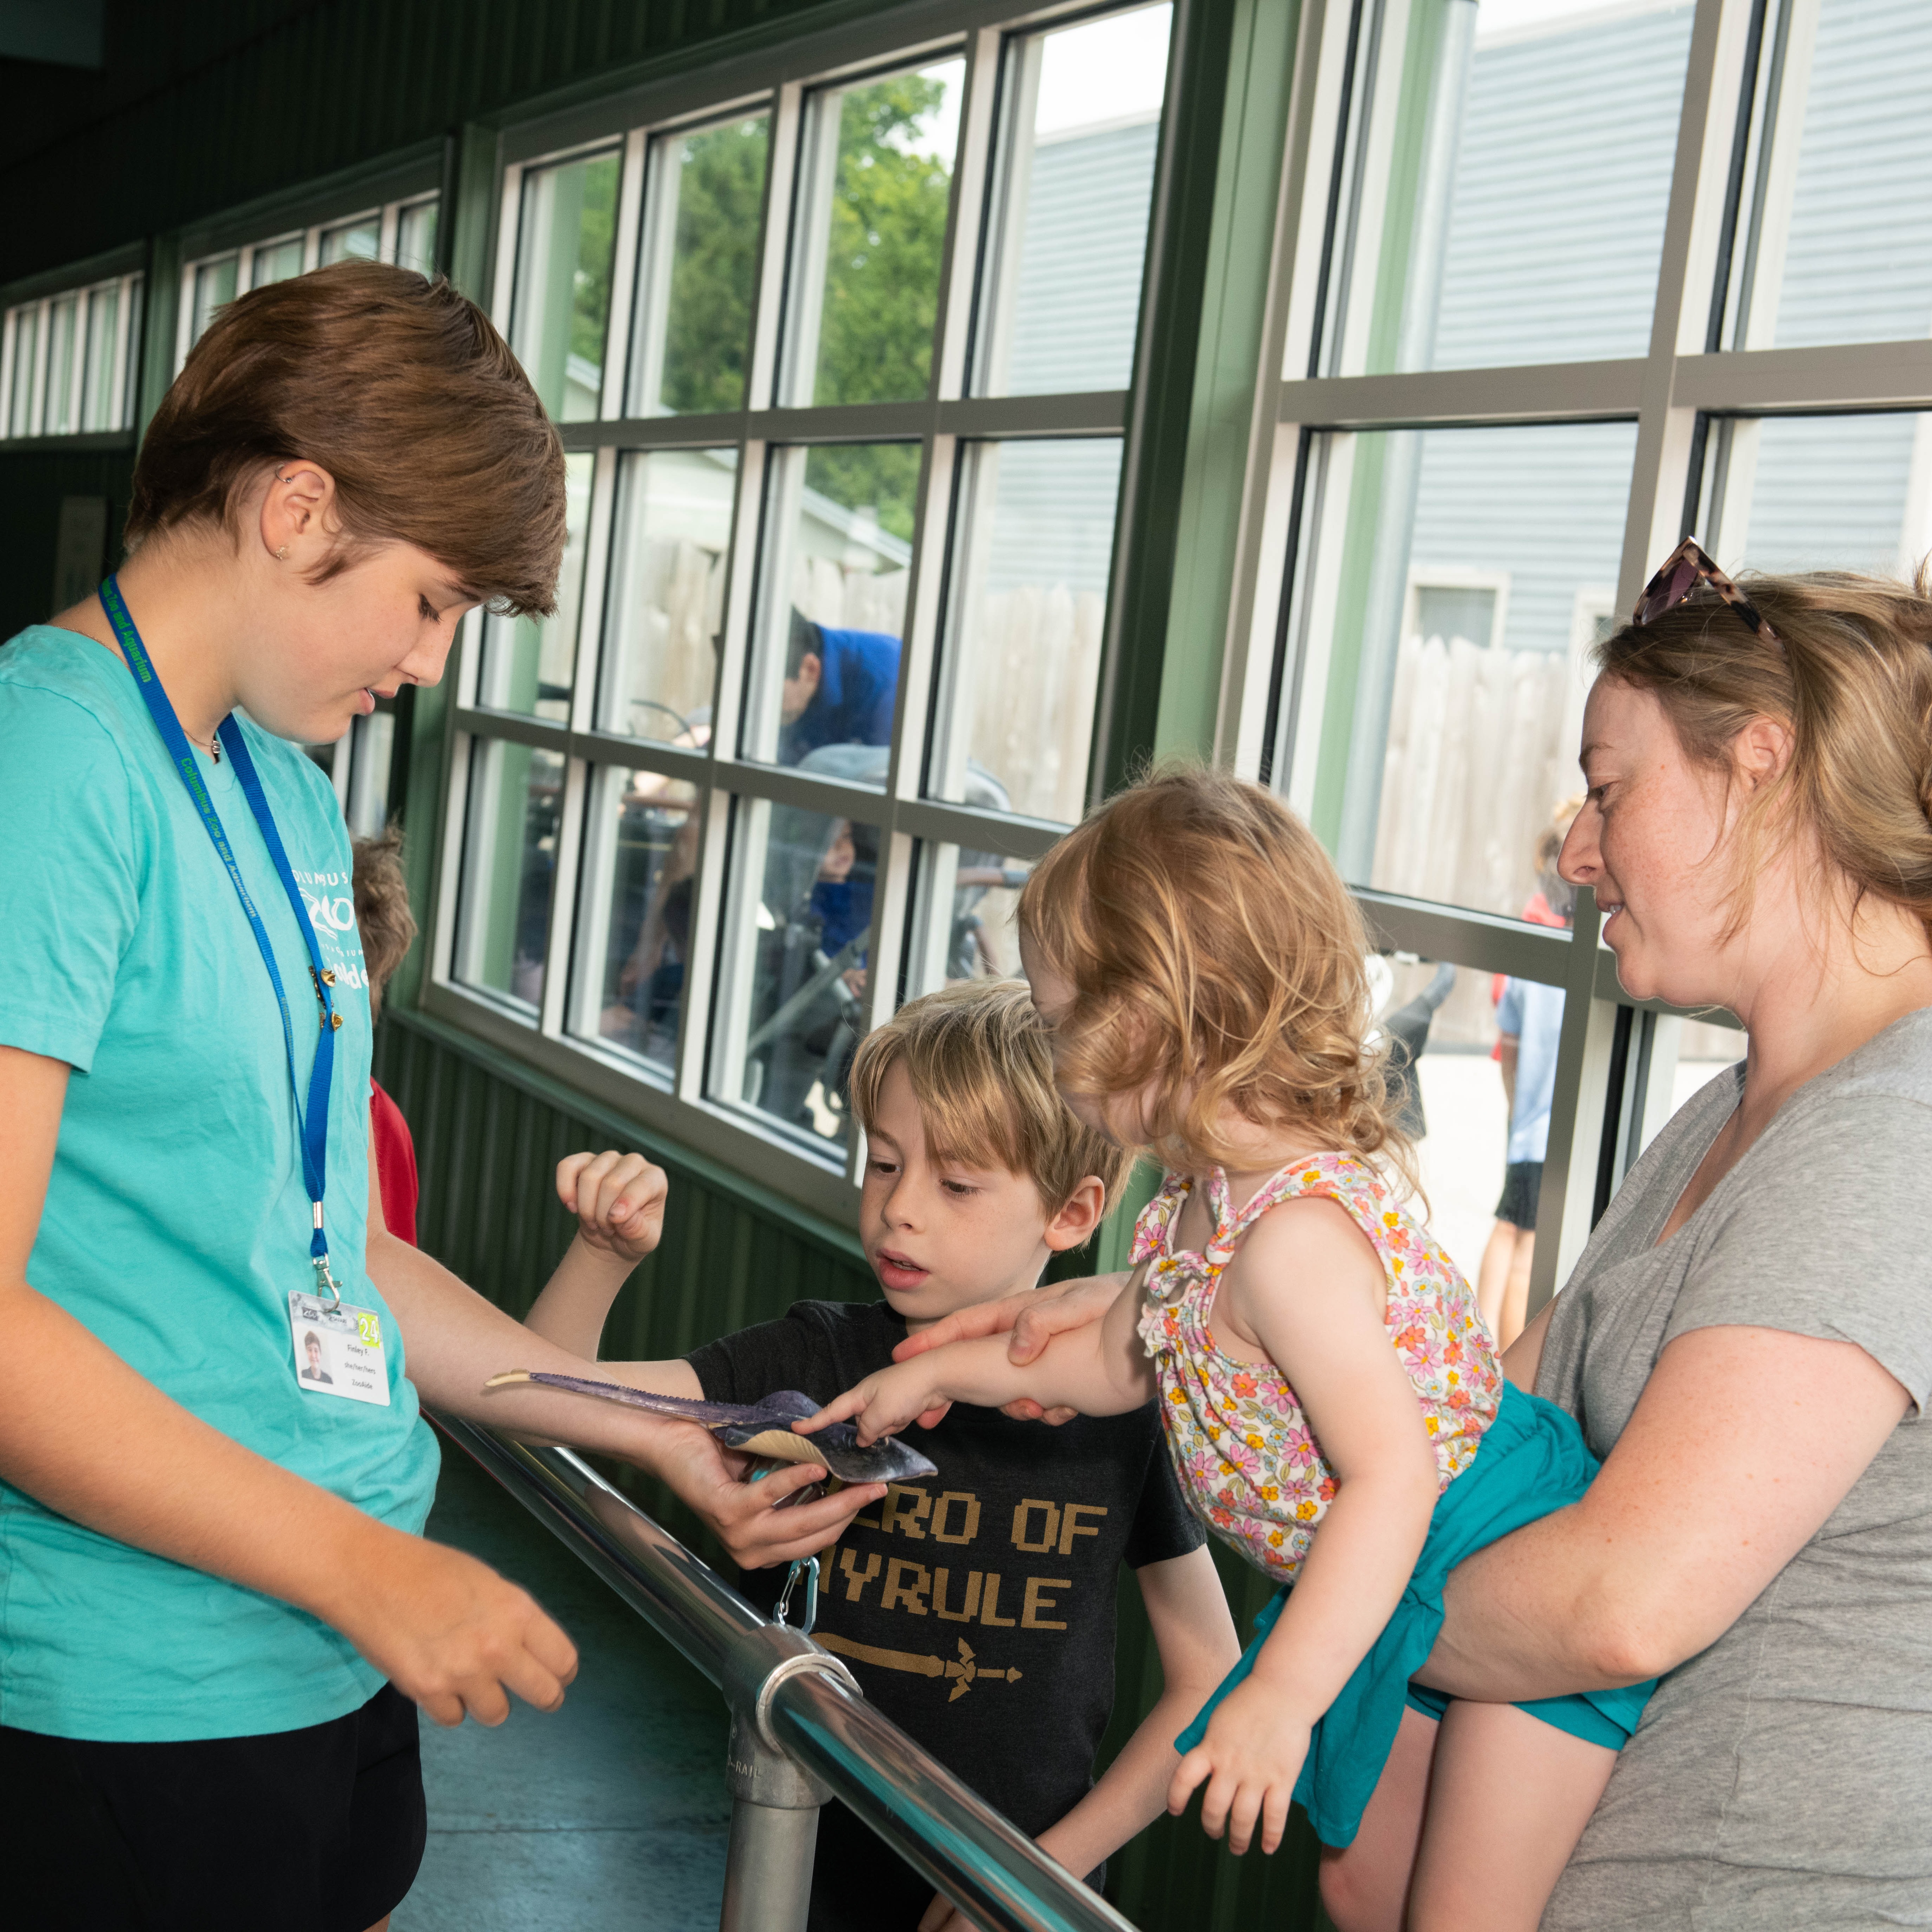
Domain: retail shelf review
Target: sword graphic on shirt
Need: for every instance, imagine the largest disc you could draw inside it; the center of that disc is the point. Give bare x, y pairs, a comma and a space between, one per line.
965, 1671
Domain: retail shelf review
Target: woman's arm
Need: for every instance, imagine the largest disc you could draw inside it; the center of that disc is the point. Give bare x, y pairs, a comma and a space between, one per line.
618, 1201
1524, 1356
1097, 1370
1744, 1442
455, 1341
86, 1435
1194, 1636
1307, 1287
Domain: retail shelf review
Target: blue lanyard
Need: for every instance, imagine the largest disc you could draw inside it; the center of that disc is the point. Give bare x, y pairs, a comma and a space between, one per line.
312, 1124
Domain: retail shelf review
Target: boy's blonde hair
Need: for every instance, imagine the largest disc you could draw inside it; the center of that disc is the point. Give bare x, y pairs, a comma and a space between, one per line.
981, 1067
1214, 953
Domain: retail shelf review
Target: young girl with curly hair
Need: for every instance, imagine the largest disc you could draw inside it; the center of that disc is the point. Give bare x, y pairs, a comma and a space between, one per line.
1329, 1395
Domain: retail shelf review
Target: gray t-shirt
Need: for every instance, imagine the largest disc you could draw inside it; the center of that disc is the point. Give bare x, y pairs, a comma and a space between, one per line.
1783, 1777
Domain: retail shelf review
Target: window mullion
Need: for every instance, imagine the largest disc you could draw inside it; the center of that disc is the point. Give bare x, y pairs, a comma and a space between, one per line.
1713, 97
620, 329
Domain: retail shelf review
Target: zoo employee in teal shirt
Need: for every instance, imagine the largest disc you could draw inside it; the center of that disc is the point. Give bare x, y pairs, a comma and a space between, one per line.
217, 1615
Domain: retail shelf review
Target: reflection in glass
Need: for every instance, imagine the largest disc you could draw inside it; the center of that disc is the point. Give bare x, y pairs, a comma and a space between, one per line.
1064, 292
509, 868
64, 349
103, 316
214, 285
698, 267
666, 599
276, 262
415, 236
1839, 244
1471, 570
530, 663
876, 178
1819, 493
968, 919
1506, 187
26, 348
640, 855
798, 975
353, 241
831, 607
1476, 1053
566, 237
1034, 548
371, 747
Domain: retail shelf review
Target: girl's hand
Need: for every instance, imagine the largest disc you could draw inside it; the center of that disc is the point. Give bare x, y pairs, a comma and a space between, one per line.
618, 1199
1250, 1758
451, 1634
883, 1403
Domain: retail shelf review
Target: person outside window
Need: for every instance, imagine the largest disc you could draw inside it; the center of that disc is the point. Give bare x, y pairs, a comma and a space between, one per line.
839, 688
1529, 1019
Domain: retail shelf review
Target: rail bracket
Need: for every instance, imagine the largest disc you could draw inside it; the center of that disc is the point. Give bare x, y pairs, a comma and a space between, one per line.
758, 1663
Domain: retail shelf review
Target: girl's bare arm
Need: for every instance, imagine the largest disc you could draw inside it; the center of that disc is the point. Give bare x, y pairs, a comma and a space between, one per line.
1097, 1370
1307, 1290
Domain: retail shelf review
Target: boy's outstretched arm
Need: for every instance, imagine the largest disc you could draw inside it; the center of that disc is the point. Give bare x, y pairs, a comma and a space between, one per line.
1194, 1636
1099, 1369
618, 1201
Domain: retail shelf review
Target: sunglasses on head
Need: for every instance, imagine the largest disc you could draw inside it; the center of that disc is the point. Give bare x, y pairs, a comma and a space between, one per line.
1678, 576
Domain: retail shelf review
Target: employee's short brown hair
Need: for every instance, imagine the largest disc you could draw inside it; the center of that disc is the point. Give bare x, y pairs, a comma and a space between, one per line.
403, 391
982, 1071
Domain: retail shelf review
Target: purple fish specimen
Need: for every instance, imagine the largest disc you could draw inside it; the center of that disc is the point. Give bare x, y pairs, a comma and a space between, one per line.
757, 1428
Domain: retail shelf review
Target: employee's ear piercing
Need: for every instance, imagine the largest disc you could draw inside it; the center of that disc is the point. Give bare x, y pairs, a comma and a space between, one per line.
282, 555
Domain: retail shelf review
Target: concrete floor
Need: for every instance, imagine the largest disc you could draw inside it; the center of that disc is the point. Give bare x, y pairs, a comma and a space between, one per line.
612, 1812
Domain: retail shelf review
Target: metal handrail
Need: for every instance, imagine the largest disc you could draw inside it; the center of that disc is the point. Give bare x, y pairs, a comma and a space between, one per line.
801, 1729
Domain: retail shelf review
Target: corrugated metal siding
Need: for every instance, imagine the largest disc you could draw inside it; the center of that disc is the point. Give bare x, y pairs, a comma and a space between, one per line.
1543, 506
487, 1140
1077, 305
1858, 261
1561, 188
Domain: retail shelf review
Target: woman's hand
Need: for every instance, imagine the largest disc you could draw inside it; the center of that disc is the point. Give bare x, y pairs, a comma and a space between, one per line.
745, 1517
618, 1201
1034, 1318
449, 1633
1250, 1758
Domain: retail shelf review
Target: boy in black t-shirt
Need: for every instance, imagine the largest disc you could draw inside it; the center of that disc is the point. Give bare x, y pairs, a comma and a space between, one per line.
976, 1607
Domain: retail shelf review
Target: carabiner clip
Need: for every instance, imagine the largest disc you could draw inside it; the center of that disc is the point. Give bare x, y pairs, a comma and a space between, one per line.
809, 1565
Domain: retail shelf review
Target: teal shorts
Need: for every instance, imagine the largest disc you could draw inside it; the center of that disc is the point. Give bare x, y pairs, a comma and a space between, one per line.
1532, 1460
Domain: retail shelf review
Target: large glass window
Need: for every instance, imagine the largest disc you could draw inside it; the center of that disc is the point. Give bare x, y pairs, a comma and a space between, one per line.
1647, 195
840, 572
68, 361
402, 232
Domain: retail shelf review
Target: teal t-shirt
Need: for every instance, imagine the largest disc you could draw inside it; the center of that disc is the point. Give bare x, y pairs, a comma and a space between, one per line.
176, 1219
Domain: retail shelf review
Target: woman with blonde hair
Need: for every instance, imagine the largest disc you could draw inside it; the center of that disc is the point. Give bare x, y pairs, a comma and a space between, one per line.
1747, 1340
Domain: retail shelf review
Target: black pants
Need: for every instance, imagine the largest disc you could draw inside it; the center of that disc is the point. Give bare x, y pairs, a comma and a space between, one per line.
317, 1830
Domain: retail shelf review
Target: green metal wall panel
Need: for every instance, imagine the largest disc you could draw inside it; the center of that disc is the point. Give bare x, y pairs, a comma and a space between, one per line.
202, 107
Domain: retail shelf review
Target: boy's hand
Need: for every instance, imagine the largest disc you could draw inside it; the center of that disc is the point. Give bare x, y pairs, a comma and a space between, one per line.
883, 1403
450, 1634
618, 1199
1250, 1758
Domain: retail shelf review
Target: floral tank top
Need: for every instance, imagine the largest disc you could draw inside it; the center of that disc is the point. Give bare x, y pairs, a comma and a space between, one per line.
1250, 1465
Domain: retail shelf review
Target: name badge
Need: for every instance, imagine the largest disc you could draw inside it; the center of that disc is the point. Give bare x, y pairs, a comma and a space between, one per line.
338, 1349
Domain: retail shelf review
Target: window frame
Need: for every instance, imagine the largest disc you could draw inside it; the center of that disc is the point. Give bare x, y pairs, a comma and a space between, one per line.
1617, 1056
914, 829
